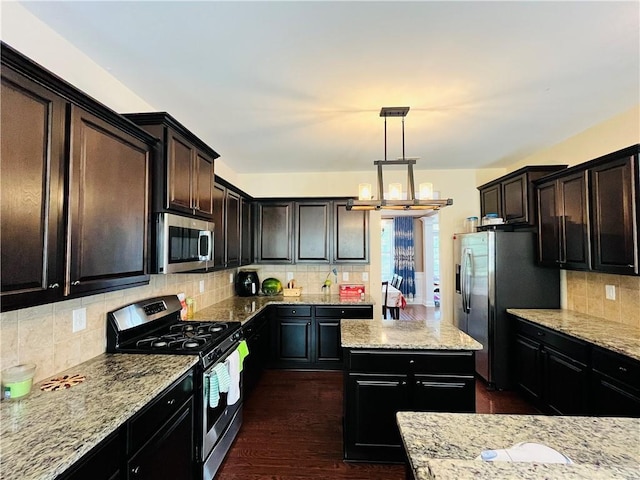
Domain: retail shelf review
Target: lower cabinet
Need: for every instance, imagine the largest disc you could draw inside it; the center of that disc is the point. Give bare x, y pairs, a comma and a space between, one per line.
256, 333
566, 376
100, 463
380, 383
308, 337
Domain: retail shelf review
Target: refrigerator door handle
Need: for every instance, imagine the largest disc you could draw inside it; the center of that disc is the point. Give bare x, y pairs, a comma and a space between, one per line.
467, 261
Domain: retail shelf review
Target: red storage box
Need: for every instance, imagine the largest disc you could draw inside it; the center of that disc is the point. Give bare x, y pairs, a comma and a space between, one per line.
351, 290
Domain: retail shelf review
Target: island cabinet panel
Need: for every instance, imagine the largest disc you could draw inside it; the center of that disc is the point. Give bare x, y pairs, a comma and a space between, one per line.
74, 192
615, 384
381, 382
31, 189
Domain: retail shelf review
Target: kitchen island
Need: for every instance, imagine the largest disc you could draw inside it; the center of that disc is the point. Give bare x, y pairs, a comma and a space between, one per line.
446, 446
394, 365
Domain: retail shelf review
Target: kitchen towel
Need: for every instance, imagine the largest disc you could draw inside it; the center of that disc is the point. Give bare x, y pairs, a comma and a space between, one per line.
219, 381
233, 364
243, 351
222, 373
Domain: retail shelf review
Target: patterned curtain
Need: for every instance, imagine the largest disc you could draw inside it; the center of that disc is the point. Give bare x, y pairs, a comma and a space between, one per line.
404, 259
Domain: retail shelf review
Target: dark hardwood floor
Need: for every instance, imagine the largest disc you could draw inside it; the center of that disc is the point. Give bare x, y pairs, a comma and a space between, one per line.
292, 430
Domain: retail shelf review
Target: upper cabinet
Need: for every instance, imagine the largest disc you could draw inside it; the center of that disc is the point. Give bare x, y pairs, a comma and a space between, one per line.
512, 196
74, 193
588, 215
311, 231
184, 173
233, 232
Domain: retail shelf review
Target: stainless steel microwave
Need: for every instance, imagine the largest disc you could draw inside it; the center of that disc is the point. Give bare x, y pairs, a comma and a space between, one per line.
183, 244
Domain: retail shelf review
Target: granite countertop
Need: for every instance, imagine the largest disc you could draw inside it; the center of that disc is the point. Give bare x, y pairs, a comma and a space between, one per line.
405, 334
446, 445
243, 309
618, 337
46, 432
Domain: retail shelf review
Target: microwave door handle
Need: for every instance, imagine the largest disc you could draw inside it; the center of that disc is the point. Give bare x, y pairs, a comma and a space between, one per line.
206, 255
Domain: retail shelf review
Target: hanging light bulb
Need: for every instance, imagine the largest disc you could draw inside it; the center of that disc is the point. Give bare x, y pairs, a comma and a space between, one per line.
395, 191
425, 191
364, 191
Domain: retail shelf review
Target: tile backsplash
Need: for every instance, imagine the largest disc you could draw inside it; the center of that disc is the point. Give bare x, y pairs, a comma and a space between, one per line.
43, 334
586, 294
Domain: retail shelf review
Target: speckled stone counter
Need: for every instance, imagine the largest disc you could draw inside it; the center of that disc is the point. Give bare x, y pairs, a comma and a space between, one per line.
446, 445
47, 432
405, 334
614, 336
243, 309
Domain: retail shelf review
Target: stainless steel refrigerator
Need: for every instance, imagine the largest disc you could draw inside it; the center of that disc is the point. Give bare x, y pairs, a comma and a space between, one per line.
496, 270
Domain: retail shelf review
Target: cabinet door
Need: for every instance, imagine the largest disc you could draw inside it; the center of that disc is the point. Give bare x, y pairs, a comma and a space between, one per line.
615, 250
438, 393
101, 463
328, 347
293, 340
218, 226
548, 225
203, 186
574, 223
565, 384
351, 235
108, 210
180, 158
169, 453
491, 200
31, 189
515, 201
275, 222
246, 232
232, 229
610, 398
527, 367
312, 232
371, 430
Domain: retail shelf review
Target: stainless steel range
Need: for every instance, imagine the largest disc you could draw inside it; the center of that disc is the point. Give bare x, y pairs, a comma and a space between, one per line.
153, 326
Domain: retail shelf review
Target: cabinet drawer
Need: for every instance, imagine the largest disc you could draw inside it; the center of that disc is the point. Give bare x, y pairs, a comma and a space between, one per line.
430, 361
345, 311
619, 367
293, 311
571, 347
142, 428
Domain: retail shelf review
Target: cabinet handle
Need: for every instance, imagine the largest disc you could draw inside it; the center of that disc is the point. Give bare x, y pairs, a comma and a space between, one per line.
293, 312
135, 470
631, 265
54, 285
411, 362
171, 402
622, 369
540, 334
77, 282
308, 323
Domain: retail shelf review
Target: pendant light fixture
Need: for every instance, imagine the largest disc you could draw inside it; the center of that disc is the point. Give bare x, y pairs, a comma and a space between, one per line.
424, 201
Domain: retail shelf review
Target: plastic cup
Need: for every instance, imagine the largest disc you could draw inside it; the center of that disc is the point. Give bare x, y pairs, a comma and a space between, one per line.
17, 381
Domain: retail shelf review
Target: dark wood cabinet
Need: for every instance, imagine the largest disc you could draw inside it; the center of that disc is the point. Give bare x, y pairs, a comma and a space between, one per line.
32, 192
308, 337
101, 463
184, 171
379, 383
588, 215
75, 190
108, 206
615, 384
232, 229
350, 234
257, 335
274, 232
552, 369
313, 230
512, 196
160, 439
614, 214
246, 231
219, 250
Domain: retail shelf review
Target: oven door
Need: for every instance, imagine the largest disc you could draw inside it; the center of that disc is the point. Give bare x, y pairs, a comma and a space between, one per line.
216, 420
183, 244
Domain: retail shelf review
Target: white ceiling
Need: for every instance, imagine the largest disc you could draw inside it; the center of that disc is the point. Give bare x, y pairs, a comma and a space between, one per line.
298, 86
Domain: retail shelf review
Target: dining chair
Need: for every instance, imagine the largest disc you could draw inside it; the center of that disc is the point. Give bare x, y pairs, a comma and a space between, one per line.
386, 296
394, 279
398, 282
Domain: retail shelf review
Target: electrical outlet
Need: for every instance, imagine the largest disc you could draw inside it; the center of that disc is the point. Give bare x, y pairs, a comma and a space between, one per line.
231, 278
201, 286
345, 276
610, 292
289, 276
365, 276
79, 319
